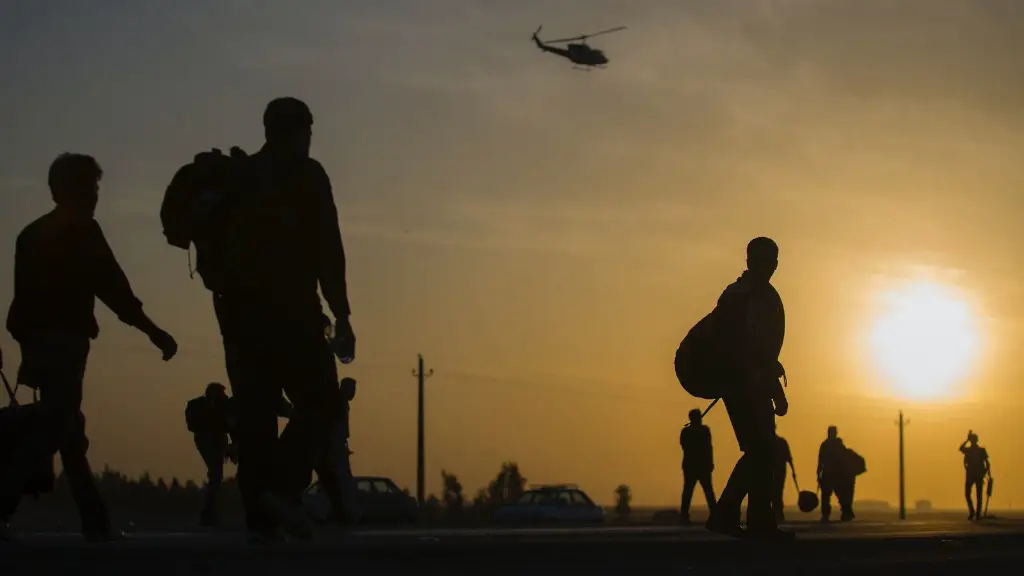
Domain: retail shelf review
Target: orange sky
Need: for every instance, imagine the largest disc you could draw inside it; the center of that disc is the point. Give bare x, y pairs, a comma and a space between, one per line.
545, 237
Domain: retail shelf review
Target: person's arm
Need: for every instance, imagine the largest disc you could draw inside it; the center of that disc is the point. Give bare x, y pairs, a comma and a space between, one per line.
114, 290
821, 461
15, 315
331, 264
711, 450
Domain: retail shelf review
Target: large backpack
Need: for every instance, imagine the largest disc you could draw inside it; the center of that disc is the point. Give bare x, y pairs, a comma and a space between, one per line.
854, 463
195, 414
701, 364
195, 209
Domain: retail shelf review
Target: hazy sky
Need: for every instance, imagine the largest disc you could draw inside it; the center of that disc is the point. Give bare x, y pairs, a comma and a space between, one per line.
545, 236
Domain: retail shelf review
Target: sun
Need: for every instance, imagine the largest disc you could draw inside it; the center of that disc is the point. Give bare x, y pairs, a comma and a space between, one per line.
925, 340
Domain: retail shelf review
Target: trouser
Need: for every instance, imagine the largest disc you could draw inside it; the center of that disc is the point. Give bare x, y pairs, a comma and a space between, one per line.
54, 362
778, 506
213, 449
690, 480
265, 354
753, 420
978, 484
843, 488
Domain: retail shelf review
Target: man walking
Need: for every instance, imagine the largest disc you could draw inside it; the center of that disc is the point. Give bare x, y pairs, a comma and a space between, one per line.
282, 244
62, 264
751, 317
698, 463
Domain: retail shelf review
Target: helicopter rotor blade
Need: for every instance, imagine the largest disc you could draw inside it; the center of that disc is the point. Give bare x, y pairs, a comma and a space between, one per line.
585, 36
608, 31
561, 40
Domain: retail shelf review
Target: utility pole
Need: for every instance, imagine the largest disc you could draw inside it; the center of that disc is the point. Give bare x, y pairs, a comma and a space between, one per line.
420, 376
903, 503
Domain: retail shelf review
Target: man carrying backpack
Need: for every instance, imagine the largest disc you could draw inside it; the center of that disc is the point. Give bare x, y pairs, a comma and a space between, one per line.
751, 320
835, 476
212, 419
62, 264
282, 243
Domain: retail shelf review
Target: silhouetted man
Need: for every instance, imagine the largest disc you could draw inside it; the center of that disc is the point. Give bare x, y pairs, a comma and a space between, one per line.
283, 243
977, 467
834, 477
751, 319
211, 420
62, 264
783, 456
698, 463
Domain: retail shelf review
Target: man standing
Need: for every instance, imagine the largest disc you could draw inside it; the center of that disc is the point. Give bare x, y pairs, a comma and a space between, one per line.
751, 321
62, 264
698, 463
977, 467
783, 456
283, 243
834, 476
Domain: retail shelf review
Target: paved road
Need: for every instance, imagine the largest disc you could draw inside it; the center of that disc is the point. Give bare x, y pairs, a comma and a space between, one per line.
935, 547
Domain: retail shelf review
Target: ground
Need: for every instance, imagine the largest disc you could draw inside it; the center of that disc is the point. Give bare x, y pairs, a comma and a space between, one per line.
933, 545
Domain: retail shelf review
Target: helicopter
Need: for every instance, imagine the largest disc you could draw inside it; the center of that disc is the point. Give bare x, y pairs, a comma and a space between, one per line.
582, 56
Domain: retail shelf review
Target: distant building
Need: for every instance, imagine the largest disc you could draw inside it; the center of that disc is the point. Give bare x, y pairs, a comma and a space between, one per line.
923, 506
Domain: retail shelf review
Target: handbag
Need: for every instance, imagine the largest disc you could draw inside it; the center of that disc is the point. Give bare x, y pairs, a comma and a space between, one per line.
15, 418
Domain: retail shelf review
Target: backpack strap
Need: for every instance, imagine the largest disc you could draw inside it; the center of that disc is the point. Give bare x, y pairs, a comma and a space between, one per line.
12, 398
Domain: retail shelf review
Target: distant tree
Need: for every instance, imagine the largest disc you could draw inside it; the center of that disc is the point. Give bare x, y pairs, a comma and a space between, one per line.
623, 497
507, 486
452, 492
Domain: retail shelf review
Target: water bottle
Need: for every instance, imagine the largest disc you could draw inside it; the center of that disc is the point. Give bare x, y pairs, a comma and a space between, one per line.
344, 348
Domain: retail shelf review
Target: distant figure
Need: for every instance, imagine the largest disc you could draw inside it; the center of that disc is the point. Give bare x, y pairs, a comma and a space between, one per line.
834, 477
783, 456
977, 467
283, 244
752, 317
210, 420
698, 463
62, 264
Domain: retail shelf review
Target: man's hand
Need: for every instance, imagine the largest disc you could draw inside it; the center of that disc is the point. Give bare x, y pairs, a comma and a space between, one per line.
344, 343
165, 342
781, 406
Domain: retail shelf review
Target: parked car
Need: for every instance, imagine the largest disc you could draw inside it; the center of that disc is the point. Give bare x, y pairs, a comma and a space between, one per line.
559, 504
381, 500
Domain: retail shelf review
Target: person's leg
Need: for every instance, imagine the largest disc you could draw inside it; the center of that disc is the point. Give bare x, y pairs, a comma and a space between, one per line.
256, 394
844, 491
827, 489
689, 482
968, 488
761, 449
212, 449
60, 396
709, 491
725, 516
778, 506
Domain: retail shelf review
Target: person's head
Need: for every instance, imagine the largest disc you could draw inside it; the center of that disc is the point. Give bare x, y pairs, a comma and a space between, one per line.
762, 257
833, 432
74, 181
972, 438
215, 391
695, 416
288, 126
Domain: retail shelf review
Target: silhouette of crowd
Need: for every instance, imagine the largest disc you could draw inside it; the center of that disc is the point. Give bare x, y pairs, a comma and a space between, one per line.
269, 250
